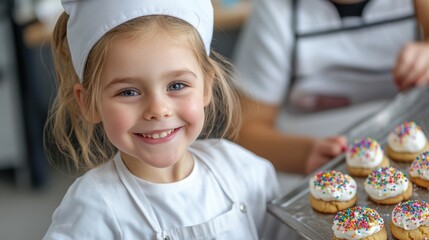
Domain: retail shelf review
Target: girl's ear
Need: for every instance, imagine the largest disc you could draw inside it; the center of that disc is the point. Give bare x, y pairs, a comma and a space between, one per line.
208, 88
80, 95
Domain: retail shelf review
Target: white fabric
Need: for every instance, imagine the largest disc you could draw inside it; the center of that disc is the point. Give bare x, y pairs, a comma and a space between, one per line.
356, 63
106, 202
90, 20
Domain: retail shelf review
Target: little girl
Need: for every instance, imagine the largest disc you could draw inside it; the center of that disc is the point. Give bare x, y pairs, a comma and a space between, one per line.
136, 88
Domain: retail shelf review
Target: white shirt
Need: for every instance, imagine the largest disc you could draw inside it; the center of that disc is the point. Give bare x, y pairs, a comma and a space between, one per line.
108, 202
355, 63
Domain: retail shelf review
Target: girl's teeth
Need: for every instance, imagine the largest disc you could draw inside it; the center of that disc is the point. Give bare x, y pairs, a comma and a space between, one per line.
157, 136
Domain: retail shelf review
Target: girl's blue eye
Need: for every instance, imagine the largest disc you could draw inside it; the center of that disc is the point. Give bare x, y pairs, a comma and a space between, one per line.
176, 86
128, 93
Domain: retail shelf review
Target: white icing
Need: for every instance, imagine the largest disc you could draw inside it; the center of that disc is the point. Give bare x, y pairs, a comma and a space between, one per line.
385, 186
344, 191
366, 157
420, 167
414, 141
422, 173
354, 234
357, 223
409, 221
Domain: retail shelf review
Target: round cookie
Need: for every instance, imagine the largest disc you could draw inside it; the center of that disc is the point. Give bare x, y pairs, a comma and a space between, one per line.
332, 191
419, 170
410, 220
387, 185
359, 223
405, 142
363, 156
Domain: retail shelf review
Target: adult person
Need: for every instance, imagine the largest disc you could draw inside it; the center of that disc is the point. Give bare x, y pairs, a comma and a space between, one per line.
411, 68
311, 69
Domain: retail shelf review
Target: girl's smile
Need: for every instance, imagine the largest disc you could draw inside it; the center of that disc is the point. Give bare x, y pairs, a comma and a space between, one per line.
159, 136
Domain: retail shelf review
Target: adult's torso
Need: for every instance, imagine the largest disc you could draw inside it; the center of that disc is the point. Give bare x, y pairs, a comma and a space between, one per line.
350, 56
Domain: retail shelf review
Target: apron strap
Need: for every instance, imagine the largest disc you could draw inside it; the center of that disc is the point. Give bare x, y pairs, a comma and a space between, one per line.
217, 171
133, 188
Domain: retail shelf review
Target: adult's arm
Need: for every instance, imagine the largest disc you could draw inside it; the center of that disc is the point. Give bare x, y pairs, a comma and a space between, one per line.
412, 66
422, 10
288, 153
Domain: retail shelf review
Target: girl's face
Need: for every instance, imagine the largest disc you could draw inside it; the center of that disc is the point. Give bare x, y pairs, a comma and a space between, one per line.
152, 103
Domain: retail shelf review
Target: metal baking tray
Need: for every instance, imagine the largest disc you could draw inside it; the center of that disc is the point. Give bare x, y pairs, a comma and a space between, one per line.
294, 209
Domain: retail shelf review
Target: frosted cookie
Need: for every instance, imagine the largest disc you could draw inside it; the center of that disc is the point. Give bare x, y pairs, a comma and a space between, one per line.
405, 142
387, 185
332, 191
410, 220
359, 223
363, 156
419, 170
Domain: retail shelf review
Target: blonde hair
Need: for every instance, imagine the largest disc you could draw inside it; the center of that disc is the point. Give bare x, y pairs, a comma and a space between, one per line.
74, 142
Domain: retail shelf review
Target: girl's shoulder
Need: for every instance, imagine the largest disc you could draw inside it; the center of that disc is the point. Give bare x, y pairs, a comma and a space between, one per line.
87, 201
102, 179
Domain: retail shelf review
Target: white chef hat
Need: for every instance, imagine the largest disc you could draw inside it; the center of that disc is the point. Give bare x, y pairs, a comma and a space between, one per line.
89, 20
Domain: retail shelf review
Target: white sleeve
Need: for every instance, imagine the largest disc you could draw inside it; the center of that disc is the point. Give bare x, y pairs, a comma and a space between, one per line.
263, 50
257, 183
262, 182
83, 214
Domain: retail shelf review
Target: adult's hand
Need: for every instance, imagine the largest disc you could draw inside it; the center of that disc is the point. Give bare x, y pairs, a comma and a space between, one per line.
412, 66
324, 150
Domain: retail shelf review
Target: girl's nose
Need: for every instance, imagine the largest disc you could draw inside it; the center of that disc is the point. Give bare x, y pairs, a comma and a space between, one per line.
156, 108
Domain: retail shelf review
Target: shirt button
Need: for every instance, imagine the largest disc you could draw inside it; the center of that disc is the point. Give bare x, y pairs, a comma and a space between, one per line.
243, 208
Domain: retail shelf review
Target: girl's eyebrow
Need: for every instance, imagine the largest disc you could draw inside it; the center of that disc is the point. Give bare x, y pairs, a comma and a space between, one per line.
179, 73
120, 80
172, 74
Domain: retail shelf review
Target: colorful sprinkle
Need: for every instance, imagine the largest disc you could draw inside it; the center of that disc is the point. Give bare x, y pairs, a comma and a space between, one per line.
406, 129
420, 163
363, 146
384, 176
411, 212
326, 179
357, 218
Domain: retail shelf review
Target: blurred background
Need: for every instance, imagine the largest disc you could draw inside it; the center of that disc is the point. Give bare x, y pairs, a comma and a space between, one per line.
30, 189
